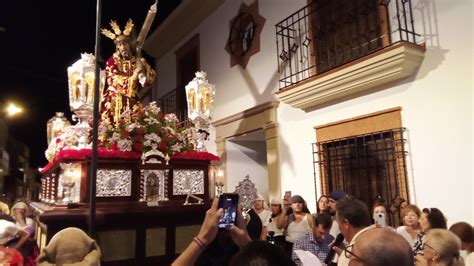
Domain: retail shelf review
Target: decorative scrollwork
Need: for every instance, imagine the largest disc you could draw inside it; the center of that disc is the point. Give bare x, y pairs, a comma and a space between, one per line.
154, 181
114, 182
188, 180
247, 191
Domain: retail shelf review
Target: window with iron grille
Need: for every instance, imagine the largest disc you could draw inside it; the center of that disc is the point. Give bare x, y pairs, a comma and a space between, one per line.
327, 34
366, 166
167, 102
344, 30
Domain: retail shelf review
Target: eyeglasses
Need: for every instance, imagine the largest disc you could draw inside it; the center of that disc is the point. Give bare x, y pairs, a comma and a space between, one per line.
427, 245
348, 253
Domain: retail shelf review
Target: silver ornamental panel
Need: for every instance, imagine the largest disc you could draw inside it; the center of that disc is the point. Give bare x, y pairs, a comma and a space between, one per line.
69, 182
60, 189
114, 182
247, 191
154, 184
188, 181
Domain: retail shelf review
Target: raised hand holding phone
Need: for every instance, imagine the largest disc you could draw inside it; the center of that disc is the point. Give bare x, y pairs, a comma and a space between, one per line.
287, 199
208, 230
380, 220
228, 202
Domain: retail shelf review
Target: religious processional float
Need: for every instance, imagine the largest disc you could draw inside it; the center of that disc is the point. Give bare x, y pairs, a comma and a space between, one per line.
147, 156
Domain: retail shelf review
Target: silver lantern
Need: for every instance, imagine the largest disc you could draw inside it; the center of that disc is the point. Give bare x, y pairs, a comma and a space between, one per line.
81, 76
56, 125
200, 99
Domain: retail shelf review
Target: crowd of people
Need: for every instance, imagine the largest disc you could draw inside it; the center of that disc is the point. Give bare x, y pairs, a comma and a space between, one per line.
18, 246
343, 231
17, 233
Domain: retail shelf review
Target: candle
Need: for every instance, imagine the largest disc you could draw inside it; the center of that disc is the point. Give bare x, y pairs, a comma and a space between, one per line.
219, 180
219, 176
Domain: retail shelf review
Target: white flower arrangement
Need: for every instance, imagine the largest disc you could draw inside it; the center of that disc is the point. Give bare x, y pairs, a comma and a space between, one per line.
69, 139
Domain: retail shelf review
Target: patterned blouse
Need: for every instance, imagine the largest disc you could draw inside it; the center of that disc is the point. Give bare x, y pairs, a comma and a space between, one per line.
419, 244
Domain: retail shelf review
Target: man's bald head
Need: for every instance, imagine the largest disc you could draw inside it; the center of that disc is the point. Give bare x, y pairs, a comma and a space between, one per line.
380, 246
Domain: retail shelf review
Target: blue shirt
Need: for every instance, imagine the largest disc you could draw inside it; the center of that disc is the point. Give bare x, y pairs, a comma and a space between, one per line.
307, 242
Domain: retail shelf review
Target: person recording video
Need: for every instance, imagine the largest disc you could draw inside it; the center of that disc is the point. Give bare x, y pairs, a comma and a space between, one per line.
251, 252
299, 221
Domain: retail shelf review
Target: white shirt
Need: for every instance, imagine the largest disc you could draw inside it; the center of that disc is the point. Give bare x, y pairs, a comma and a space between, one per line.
265, 216
402, 230
295, 229
273, 227
334, 231
470, 259
8, 231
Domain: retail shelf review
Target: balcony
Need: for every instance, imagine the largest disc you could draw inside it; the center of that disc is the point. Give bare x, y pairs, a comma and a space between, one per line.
330, 51
169, 103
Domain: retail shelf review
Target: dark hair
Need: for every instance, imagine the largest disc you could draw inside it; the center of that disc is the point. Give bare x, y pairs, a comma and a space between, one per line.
299, 199
219, 251
355, 211
379, 202
317, 202
436, 218
279, 212
254, 226
128, 39
464, 231
7, 217
261, 253
323, 219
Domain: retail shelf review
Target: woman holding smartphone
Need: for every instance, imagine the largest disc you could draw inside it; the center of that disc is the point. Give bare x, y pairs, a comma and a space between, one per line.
379, 214
296, 220
275, 234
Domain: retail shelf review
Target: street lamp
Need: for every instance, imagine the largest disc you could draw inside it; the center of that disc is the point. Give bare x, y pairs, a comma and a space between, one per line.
12, 109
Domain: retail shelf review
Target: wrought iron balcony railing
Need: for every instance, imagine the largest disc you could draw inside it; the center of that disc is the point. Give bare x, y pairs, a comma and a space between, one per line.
330, 33
168, 103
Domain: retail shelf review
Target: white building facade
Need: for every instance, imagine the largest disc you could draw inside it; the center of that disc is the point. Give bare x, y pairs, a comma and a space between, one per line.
266, 131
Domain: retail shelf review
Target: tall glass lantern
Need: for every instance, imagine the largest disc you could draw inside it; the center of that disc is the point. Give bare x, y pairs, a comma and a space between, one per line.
200, 99
81, 77
56, 125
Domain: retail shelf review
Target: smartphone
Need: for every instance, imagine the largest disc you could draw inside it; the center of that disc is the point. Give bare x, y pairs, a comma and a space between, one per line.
287, 198
228, 202
380, 219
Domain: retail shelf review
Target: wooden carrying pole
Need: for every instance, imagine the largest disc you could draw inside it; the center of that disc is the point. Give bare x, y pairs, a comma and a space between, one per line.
95, 124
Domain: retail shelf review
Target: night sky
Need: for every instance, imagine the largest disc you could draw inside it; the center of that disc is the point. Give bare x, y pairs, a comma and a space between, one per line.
39, 40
